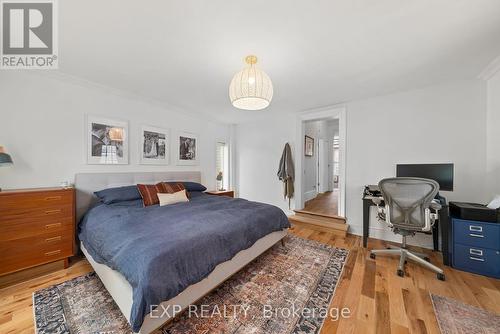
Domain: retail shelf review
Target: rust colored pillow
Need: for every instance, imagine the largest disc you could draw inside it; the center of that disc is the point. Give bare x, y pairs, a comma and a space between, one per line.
173, 187
149, 192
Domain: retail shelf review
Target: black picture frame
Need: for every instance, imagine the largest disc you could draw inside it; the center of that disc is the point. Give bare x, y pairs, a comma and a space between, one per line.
308, 146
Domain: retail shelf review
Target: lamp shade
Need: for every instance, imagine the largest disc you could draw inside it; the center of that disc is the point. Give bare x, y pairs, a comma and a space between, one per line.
251, 88
5, 159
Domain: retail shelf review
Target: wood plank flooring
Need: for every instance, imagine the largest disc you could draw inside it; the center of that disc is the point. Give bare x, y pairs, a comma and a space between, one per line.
379, 301
325, 203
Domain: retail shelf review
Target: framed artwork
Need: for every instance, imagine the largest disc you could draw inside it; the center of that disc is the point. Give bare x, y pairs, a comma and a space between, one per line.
155, 148
188, 149
309, 146
107, 141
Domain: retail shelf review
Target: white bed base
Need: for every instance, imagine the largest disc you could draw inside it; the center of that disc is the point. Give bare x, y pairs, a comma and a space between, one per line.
121, 291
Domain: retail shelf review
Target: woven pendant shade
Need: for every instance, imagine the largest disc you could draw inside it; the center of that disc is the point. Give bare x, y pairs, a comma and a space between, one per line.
251, 88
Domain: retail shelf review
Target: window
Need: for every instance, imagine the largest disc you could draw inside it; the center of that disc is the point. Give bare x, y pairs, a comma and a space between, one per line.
222, 164
336, 161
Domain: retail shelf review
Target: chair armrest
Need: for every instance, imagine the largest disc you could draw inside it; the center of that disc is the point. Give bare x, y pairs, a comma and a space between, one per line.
435, 206
432, 217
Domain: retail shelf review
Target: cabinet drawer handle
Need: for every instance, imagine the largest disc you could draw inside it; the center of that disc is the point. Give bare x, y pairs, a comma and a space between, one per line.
59, 238
474, 251
476, 235
53, 198
476, 259
52, 212
53, 252
53, 225
475, 228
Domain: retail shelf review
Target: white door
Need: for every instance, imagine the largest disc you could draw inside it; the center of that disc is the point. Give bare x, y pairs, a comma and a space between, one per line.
323, 165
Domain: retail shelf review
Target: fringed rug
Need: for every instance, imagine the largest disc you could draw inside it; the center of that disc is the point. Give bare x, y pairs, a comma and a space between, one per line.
456, 317
286, 290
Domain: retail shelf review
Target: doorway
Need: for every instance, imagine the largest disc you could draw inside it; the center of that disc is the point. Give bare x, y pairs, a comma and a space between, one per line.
320, 186
320, 195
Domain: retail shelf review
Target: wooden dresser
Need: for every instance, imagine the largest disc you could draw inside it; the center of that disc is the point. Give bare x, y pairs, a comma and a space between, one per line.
37, 226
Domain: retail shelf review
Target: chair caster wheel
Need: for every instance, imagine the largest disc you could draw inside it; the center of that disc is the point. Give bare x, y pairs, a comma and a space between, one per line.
401, 273
372, 256
440, 277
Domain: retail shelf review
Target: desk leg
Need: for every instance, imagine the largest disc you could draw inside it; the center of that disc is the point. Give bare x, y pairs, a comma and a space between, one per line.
435, 235
366, 220
444, 225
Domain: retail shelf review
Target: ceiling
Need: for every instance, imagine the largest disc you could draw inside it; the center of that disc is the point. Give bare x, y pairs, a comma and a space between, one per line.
184, 53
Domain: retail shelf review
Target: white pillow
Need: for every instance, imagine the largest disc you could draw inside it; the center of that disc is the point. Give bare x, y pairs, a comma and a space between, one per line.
495, 203
177, 197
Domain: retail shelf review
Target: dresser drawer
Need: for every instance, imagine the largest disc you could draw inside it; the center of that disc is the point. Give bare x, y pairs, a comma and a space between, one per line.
11, 230
23, 215
38, 200
27, 252
480, 234
478, 260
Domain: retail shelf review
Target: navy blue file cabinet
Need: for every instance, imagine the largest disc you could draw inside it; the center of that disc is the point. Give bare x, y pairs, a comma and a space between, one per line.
476, 247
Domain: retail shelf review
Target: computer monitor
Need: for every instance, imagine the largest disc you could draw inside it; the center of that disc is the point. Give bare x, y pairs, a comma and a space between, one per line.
441, 173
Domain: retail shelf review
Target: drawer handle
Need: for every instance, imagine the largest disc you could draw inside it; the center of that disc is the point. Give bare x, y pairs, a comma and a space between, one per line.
53, 252
52, 212
53, 225
59, 238
474, 251
476, 235
53, 198
476, 259
475, 228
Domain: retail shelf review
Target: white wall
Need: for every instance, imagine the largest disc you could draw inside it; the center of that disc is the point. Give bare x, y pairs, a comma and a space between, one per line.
259, 146
313, 130
493, 130
444, 123
42, 126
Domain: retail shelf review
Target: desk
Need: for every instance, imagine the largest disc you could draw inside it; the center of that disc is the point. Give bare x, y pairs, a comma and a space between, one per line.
442, 225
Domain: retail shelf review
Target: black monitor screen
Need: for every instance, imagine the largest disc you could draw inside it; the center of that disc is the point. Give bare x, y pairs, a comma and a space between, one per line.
441, 173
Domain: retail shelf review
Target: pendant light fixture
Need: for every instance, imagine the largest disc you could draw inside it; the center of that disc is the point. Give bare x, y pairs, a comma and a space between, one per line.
251, 88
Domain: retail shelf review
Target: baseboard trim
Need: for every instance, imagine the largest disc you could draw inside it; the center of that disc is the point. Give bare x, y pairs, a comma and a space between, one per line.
309, 195
420, 239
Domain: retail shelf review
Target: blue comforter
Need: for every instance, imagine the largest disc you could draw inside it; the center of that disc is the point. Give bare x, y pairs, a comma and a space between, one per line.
163, 250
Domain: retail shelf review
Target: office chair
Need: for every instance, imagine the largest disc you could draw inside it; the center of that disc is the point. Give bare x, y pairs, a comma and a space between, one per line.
408, 205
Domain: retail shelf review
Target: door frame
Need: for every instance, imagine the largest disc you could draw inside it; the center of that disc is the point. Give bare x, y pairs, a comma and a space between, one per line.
332, 112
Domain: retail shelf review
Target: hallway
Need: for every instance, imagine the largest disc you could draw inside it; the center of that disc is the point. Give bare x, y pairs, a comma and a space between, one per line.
325, 203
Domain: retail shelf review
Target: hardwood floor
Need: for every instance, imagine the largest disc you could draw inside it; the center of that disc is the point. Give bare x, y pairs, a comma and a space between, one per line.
379, 301
325, 203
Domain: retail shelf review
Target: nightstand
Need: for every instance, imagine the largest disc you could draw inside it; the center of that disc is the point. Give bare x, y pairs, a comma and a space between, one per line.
227, 193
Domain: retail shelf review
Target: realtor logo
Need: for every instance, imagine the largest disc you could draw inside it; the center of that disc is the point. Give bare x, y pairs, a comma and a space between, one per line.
29, 34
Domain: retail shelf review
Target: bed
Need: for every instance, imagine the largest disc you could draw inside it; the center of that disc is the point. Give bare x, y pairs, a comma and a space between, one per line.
169, 256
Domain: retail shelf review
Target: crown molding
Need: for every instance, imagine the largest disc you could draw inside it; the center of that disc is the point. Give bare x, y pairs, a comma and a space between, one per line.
490, 70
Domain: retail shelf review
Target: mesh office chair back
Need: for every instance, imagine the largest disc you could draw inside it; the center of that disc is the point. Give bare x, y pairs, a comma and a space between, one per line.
407, 199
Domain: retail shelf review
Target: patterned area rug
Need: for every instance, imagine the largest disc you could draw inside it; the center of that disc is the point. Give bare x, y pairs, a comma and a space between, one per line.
286, 290
456, 317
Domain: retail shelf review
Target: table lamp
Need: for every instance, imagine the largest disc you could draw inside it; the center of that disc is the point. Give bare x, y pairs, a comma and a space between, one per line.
5, 159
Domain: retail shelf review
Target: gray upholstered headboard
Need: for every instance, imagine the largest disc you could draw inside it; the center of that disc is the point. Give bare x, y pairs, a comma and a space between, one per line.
87, 183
